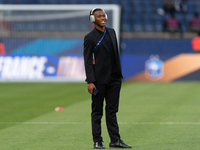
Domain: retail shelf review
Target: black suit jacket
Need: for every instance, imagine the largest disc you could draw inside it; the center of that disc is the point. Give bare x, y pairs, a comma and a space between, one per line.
100, 72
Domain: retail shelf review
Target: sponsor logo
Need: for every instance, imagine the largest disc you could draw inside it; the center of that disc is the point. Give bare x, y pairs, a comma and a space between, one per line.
72, 67
22, 67
154, 68
40, 67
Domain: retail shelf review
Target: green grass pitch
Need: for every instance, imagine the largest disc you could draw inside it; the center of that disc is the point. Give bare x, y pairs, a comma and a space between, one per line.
152, 116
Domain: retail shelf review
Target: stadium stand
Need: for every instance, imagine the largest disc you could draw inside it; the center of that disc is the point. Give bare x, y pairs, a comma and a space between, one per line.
137, 15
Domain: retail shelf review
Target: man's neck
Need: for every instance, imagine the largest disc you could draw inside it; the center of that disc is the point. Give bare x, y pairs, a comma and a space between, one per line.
100, 28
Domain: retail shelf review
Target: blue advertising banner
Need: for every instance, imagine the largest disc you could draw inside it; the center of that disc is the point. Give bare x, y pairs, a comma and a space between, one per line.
40, 67
62, 59
43, 58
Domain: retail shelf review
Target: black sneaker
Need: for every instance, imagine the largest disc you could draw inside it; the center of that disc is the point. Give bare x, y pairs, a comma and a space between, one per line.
119, 144
98, 145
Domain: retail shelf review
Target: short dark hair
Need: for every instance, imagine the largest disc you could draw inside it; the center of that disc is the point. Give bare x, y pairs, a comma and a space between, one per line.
96, 9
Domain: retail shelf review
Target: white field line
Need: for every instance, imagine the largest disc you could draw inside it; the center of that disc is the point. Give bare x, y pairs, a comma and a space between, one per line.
78, 123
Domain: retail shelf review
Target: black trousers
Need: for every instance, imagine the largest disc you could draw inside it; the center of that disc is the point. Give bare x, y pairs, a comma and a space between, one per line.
110, 92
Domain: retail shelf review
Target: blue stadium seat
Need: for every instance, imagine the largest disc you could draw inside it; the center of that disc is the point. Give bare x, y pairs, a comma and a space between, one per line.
129, 7
29, 2
125, 26
8, 2
158, 27
159, 3
115, 1
149, 27
41, 1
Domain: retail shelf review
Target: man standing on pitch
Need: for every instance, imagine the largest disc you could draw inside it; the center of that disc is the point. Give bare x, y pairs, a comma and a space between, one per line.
103, 75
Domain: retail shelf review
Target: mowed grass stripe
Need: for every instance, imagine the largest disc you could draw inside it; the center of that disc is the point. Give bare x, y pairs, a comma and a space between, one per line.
78, 123
156, 102
23, 101
163, 102
54, 136
150, 103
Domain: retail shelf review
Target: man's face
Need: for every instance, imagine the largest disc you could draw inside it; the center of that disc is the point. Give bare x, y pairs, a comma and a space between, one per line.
100, 18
